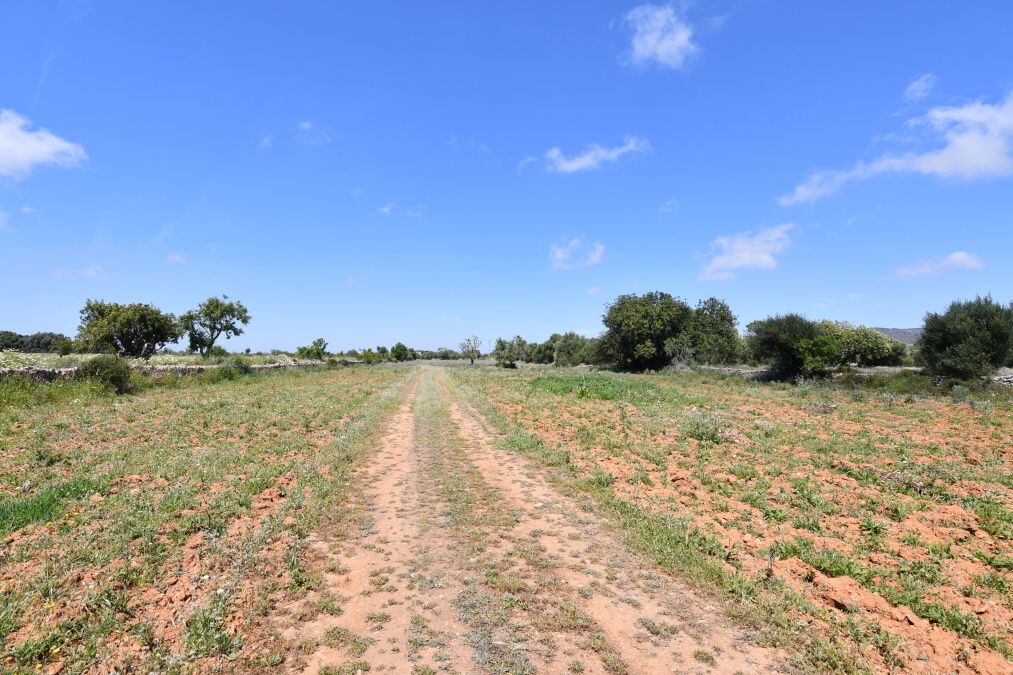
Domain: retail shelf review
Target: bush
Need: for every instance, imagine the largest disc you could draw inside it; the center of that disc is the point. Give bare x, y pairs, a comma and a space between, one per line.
969, 340
638, 327
316, 351
231, 368
508, 352
571, 349
400, 352
111, 371
779, 341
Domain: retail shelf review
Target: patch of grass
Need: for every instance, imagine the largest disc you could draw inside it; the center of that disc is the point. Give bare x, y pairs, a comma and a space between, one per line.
704, 426
598, 386
205, 630
349, 668
356, 645
44, 506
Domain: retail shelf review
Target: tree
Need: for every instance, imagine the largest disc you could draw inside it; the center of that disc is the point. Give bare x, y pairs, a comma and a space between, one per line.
508, 352
970, 339
572, 349
63, 347
711, 333
637, 328
471, 348
779, 341
136, 330
400, 352
317, 350
382, 353
213, 318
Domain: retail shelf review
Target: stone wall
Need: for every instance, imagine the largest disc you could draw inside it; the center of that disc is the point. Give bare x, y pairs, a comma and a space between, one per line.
50, 374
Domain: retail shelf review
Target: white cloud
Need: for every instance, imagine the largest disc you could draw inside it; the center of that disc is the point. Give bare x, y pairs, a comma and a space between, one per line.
311, 133
3, 221
670, 206
594, 290
524, 162
266, 142
977, 142
357, 191
747, 251
22, 149
920, 87
575, 254
660, 35
954, 261
27, 210
386, 209
177, 259
91, 272
593, 156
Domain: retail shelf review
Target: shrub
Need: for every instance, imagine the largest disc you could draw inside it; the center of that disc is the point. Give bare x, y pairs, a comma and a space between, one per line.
571, 349
508, 352
400, 352
970, 339
779, 341
316, 351
637, 328
231, 368
111, 371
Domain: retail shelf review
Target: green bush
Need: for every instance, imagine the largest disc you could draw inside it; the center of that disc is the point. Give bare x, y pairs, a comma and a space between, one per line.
638, 327
111, 371
316, 350
571, 349
969, 340
779, 341
711, 333
508, 352
136, 330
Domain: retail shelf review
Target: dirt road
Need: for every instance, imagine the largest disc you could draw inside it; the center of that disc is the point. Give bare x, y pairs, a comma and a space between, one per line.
467, 560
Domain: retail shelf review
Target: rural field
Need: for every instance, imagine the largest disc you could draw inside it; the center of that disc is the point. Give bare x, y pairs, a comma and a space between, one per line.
426, 518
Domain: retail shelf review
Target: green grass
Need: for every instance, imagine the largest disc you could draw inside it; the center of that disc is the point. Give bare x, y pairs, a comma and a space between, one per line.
45, 505
597, 386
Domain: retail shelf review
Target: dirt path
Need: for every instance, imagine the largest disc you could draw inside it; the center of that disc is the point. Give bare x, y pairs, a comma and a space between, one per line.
469, 561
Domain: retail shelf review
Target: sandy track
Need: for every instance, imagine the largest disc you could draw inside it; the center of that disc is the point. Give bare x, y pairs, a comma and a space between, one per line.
467, 560
654, 623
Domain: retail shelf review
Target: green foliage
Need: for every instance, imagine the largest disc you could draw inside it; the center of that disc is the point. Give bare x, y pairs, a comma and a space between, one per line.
63, 347
111, 371
711, 333
471, 348
401, 352
136, 330
508, 352
777, 341
637, 328
213, 318
970, 339
369, 356
31, 344
571, 349
316, 351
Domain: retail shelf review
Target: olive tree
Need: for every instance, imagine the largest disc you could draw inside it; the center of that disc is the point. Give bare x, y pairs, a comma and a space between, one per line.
214, 318
970, 339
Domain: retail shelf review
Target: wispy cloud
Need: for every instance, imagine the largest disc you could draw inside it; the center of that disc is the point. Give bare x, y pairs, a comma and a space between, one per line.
90, 272
387, 209
593, 156
266, 142
28, 210
469, 144
958, 260
669, 207
920, 87
977, 142
660, 35
22, 149
575, 254
177, 259
747, 250
3, 221
594, 290
311, 133
521, 165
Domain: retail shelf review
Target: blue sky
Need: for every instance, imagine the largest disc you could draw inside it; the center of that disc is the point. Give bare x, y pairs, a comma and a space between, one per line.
372, 172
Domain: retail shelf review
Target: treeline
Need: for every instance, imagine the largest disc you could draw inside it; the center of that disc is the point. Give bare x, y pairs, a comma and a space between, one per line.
651, 331
36, 343
469, 349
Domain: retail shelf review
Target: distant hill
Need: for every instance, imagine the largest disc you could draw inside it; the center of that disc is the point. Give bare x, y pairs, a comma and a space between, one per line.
906, 335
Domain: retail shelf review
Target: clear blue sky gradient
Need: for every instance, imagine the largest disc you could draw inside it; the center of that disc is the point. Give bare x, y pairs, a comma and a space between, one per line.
381, 171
